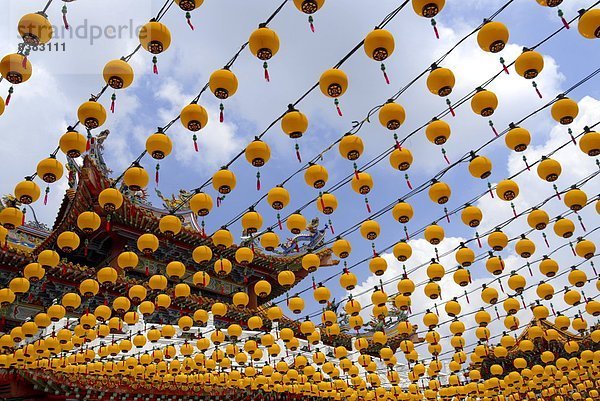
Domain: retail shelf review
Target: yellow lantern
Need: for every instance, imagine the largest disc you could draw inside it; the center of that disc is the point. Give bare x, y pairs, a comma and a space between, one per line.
351, 147
529, 64
269, 241
278, 197
585, 248
91, 114
348, 280
428, 8
34, 272
257, 153
434, 234
35, 29
244, 255
27, 191
223, 267
440, 81
471, 216
135, 177
264, 43
147, 243
465, 256
159, 145
294, 123
370, 229
107, 275
507, 190
202, 254
564, 110
379, 44
262, 288
296, 223
321, 294
549, 169
15, 68
517, 138
575, 199
484, 102
252, 221
110, 199
127, 260
341, 248
564, 228
589, 24
362, 183
401, 159
223, 83
68, 241
50, 169
118, 74
440, 192
333, 83
72, 143
194, 117
224, 181
175, 270
316, 176
88, 222
392, 115
201, 279
309, 6
155, 37
222, 239
89, 288
493, 36
170, 225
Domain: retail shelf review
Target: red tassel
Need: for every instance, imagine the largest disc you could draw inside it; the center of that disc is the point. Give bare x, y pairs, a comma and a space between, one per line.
493, 128
221, 114
406, 233
155, 69
64, 16
331, 228
450, 107
189, 20
107, 224
46, 196
279, 222
337, 106
88, 144
368, 206
156, 177
155, 62
195, 138
478, 240
562, 18
112, 103
322, 202
387, 79
10, 92
266, 67
298, 154
310, 21
435, 30
218, 201
445, 157
504, 66
258, 181
24, 62
537, 91
314, 285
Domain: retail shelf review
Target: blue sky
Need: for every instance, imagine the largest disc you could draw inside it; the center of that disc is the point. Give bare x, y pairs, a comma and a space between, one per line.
63, 80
